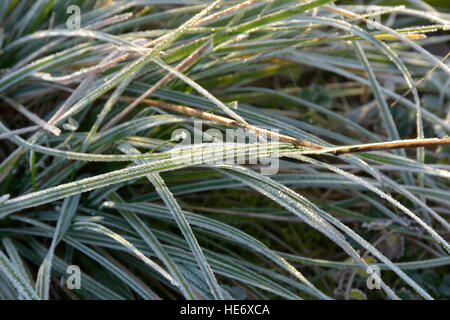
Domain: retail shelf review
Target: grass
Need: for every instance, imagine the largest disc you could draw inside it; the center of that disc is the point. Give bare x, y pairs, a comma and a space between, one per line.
349, 103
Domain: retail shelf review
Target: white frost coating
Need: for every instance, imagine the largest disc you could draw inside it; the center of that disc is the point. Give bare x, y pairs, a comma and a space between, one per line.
128, 245
201, 90
23, 287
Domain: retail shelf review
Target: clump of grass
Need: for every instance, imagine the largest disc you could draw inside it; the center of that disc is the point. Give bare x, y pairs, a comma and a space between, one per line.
352, 100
